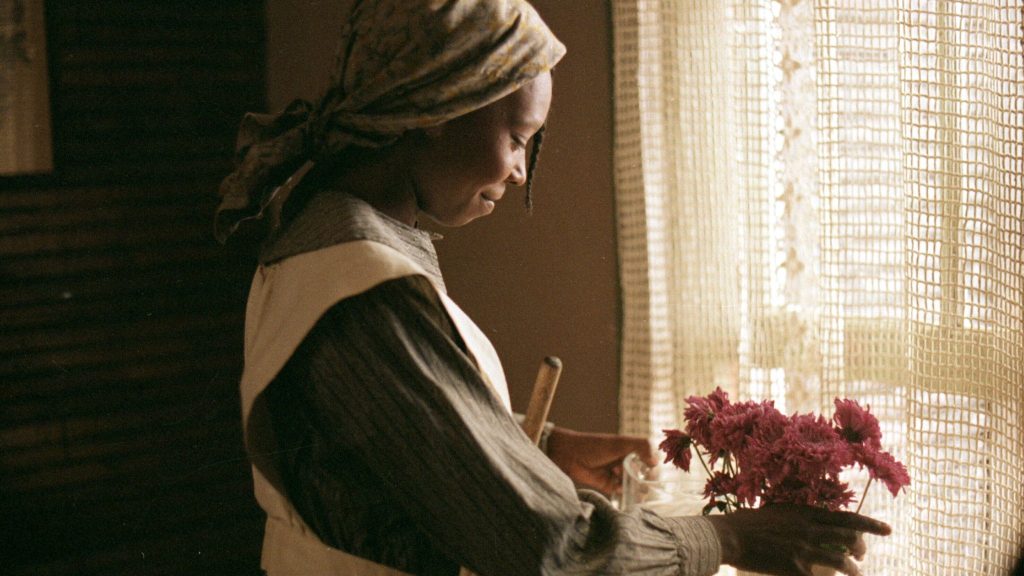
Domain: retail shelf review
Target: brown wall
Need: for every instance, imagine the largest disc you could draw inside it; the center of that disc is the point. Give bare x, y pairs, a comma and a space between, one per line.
120, 317
538, 285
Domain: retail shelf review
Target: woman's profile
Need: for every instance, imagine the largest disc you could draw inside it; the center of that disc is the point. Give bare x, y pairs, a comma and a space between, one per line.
375, 412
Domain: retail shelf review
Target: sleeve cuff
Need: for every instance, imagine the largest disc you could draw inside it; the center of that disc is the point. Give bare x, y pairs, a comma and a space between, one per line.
700, 552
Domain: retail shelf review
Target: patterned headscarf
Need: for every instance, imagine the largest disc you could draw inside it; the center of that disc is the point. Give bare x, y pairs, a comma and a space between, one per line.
401, 65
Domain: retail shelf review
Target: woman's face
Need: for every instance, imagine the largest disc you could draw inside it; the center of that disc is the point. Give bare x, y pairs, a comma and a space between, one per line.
462, 167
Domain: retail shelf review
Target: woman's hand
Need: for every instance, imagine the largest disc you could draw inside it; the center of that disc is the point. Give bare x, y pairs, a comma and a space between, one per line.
595, 460
787, 539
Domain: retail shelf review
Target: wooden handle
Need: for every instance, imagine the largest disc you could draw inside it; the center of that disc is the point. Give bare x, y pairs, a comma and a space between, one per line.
540, 400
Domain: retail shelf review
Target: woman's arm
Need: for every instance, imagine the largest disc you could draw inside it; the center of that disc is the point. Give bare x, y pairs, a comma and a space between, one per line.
389, 380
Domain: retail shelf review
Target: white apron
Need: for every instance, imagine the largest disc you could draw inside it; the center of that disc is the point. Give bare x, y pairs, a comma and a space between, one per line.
286, 301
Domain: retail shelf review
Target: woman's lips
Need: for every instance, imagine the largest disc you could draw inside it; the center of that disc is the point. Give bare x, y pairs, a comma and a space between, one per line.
492, 195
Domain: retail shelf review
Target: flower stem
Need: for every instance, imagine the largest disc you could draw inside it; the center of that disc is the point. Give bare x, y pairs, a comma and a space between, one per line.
708, 471
864, 496
702, 463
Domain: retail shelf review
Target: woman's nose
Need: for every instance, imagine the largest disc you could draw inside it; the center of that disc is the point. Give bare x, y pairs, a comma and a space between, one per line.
518, 175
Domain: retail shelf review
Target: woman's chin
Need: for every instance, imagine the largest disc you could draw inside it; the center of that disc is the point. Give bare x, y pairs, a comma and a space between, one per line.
461, 218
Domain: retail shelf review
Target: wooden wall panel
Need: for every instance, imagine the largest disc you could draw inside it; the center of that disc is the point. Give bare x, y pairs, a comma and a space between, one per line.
120, 317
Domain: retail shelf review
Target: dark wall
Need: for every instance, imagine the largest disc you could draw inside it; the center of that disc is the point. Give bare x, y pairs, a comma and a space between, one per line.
120, 317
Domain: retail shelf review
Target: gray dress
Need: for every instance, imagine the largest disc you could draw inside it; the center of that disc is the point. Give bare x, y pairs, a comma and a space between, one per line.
393, 448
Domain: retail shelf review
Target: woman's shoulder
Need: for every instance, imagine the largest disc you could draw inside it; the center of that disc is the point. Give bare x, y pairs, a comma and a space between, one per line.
328, 218
333, 218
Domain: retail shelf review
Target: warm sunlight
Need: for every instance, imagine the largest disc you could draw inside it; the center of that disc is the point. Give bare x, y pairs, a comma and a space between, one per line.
869, 159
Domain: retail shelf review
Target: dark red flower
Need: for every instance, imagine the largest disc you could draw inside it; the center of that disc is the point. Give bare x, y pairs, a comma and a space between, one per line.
676, 447
809, 449
720, 484
833, 494
766, 457
740, 426
883, 466
749, 483
700, 411
857, 425
825, 492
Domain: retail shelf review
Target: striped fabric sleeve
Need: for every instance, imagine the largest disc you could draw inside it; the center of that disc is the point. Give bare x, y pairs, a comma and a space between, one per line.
390, 381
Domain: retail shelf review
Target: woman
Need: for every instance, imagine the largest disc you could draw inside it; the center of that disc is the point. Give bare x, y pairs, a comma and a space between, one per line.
375, 412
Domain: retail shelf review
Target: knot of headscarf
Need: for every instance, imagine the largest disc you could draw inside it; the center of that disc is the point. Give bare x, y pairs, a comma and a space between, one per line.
401, 65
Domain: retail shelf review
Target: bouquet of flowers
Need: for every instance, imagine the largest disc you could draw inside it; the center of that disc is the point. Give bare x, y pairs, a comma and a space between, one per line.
755, 455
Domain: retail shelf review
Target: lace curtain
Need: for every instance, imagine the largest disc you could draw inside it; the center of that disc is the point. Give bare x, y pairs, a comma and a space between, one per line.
821, 199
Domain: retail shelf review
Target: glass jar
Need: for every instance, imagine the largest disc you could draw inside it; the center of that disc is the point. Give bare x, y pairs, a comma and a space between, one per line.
666, 490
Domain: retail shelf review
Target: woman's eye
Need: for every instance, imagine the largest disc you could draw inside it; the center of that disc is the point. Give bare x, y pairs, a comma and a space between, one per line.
518, 143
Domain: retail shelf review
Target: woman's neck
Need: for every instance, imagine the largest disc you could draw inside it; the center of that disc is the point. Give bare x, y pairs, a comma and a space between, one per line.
380, 181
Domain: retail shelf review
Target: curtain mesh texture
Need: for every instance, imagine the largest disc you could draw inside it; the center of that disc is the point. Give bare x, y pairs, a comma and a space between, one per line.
822, 199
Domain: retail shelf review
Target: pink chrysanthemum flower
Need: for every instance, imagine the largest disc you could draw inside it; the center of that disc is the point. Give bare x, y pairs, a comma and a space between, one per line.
768, 427
739, 427
832, 494
700, 411
676, 447
882, 466
764, 457
825, 492
809, 448
720, 484
857, 425
749, 484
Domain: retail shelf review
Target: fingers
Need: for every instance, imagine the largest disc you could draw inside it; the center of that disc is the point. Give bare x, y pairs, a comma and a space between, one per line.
850, 540
848, 520
643, 447
613, 480
836, 547
832, 539
626, 444
609, 484
858, 548
853, 521
849, 567
832, 559
605, 479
